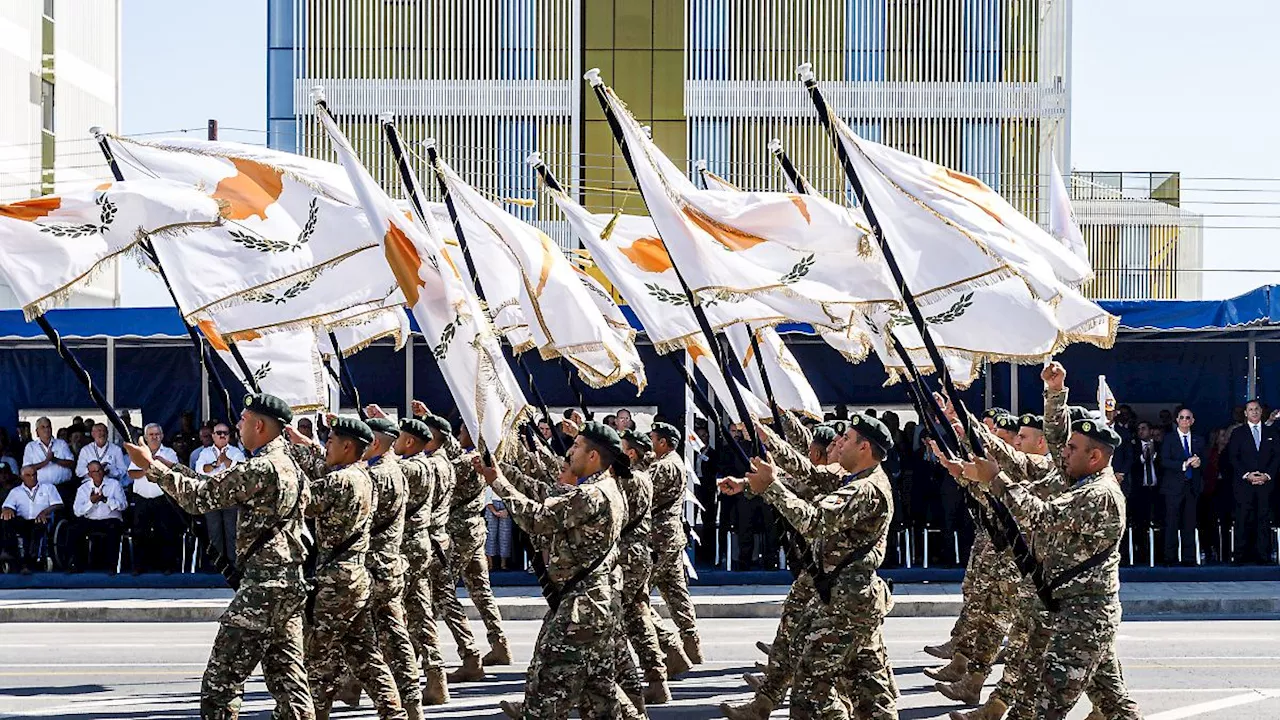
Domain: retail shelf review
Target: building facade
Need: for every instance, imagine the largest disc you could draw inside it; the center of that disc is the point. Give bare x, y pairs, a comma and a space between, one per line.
59, 75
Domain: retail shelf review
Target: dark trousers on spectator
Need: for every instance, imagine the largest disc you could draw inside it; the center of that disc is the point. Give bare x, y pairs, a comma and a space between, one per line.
726, 521
155, 534
1144, 513
754, 533
221, 526
67, 491
1253, 521
1180, 501
94, 543
21, 539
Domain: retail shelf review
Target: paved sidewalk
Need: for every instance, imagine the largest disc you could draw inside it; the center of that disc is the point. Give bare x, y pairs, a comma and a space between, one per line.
1236, 599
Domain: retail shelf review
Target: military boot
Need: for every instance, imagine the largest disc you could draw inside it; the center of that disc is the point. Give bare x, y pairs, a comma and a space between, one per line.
1095, 714
943, 651
754, 680
471, 670
993, 710
437, 690
677, 662
322, 710
657, 692
758, 709
766, 648
692, 648
967, 689
1001, 655
348, 691
513, 709
952, 671
413, 711
499, 653
637, 702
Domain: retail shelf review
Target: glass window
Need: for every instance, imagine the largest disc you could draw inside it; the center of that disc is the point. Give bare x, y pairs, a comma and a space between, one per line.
46, 105
280, 23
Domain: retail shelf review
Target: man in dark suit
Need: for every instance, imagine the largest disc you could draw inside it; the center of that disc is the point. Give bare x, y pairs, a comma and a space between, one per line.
1180, 486
1144, 485
1255, 460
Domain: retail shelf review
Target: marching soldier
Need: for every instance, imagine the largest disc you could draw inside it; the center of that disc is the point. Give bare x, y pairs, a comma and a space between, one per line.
668, 537
573, 659
342, 625
1082, 529
848, 530
414, 447
636, 559
263, 623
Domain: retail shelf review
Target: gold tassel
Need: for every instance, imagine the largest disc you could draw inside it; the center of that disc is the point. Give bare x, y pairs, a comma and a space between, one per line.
608, 228
522, 202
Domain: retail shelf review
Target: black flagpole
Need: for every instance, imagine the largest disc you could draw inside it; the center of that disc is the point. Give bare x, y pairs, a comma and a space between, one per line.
1025, 559
593, 76
197, 339
700, 398
346, 384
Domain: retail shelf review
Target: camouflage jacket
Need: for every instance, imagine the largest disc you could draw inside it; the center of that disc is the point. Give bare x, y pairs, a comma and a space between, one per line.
390, 495
1057, 428
466, 513
1083, 521
637, 492
341, 504
443, 478
852, 521
582, 524
806, 479
266, 487
667, 475
795, 432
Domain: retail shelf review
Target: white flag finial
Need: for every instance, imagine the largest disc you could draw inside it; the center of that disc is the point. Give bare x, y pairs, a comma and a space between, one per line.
429, 143
593, 76
96, 131
805, 71
534, 159
386, 117
317, 94
775, 146
700, 164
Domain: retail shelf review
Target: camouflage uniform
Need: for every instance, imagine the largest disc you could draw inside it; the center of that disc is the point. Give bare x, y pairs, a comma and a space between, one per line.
264, 620
422, 476
341, 626
667, 536
573, 659
636, 559
386, 567
467, 533
850, 523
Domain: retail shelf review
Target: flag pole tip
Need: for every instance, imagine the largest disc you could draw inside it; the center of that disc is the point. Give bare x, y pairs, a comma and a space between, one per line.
429, 143
700, 164
805, 71
775, 146
534, 159
97, 131
317, 93
386, 118
593, 76
648, 131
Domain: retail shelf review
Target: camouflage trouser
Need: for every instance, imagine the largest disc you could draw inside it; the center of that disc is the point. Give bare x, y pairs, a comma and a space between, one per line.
1081, 653
988, 606
342, 629
572, 667
387, 607
444, 600
842, 651
469, 563
638, 622
777, 678
262, 624
669, 578
419, 613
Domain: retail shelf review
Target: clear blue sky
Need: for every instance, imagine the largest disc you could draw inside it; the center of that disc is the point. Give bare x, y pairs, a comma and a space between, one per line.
1166, 85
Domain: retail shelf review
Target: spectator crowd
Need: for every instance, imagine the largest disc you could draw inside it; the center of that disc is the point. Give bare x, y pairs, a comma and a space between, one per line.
72, 500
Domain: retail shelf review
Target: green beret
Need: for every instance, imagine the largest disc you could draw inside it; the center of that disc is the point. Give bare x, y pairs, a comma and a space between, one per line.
637, 439
1032, 421
666, 430
1079, 412
437, 423
602, 435
872, 430
839, 426
1095, 430
995, 412
353, 428
383, 425
824, 435
269, 406
416, 428
1007, 422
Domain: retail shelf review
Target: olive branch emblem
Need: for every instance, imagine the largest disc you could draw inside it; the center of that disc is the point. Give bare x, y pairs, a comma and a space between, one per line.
263, 371
252, 241
446, 336
270, 298
105, 217
798, 271
951, 314
664, 295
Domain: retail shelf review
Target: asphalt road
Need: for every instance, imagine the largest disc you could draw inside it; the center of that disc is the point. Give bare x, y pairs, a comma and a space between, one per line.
1211, 669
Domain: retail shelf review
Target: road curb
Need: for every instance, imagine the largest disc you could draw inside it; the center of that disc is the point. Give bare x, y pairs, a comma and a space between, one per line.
533, 608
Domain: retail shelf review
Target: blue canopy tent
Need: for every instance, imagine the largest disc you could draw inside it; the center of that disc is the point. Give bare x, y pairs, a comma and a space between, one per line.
1205, 354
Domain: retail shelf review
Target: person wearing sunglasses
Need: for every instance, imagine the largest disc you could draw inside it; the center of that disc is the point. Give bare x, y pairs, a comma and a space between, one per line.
1180, 457
216, 459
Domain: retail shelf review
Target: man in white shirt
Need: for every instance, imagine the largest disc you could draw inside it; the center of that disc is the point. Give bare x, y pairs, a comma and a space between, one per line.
206, 441
155, 519
215, 460
110, 456
99, 511
27, 517
52, 458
